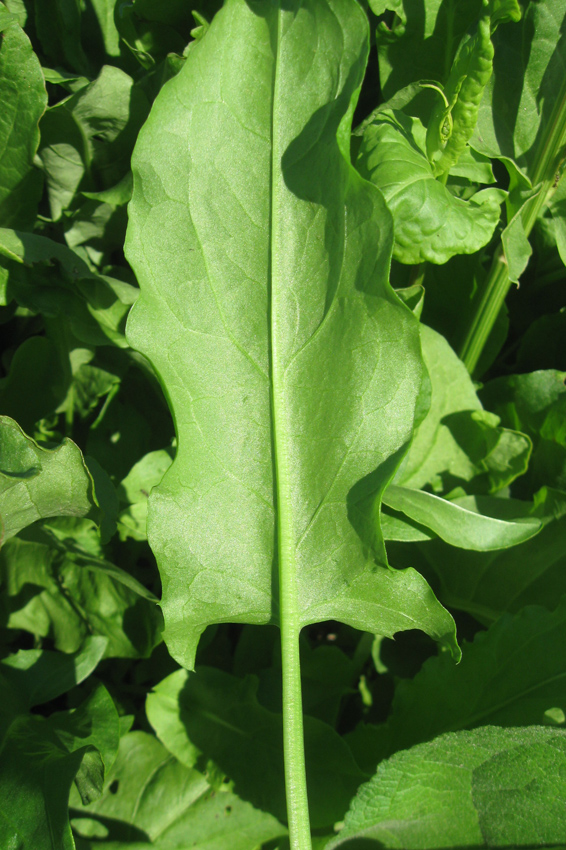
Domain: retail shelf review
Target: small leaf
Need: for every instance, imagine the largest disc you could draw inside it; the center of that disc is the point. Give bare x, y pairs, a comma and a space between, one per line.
431, 224
36, 483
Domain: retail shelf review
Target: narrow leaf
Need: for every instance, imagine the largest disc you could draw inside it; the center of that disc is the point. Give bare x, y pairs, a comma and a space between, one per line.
458, 523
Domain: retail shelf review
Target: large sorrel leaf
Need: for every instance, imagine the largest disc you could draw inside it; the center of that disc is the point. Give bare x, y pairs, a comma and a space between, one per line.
292, 369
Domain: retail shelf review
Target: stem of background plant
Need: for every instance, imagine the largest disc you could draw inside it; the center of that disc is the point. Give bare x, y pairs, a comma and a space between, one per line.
491, 297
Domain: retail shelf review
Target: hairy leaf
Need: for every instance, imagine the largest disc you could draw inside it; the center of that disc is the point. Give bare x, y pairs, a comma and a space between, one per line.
490, 787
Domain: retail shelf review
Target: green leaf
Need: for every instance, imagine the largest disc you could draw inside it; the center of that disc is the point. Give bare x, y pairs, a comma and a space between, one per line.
464, 522
488, 584
135, 489
525, 87
515, 241
37, 367
503, 11
426, 44
20, 183
39, 760
151, 800
50, 278
95, 725
36, 483
490, 787
557, 208
393, 157
58, 24
514, 674
535, 403
63, 154
39, 675
216, 714
459, 444
109, 112
58, 590
291, 367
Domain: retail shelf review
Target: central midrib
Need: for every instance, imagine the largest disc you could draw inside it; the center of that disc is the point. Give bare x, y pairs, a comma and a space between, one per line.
284, 527
289, 619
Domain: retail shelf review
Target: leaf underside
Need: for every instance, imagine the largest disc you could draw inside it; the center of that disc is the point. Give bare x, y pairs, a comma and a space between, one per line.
291, 367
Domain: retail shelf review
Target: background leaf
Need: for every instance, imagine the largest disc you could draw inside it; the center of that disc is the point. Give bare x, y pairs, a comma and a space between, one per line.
20, 73
431, 224
511, 675
37, 483
131, 813
218, 715
467, 789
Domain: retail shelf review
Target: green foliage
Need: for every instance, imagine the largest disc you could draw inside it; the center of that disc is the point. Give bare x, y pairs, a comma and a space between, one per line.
328, 439
489, 788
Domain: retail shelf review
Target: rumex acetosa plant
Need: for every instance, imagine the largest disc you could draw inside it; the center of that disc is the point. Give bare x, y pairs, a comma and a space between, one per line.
310, 256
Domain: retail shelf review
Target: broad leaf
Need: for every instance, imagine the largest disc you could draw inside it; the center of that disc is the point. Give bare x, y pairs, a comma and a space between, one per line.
20, 72
514, 674
431, 224
151, 800
487, 788
218, 715
36, 483
292, 369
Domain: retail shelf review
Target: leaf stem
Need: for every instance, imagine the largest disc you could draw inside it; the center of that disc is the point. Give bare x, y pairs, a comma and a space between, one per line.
293, 738
491, 297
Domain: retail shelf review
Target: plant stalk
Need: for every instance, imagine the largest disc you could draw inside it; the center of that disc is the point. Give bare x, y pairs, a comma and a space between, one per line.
293, 739
491, 297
